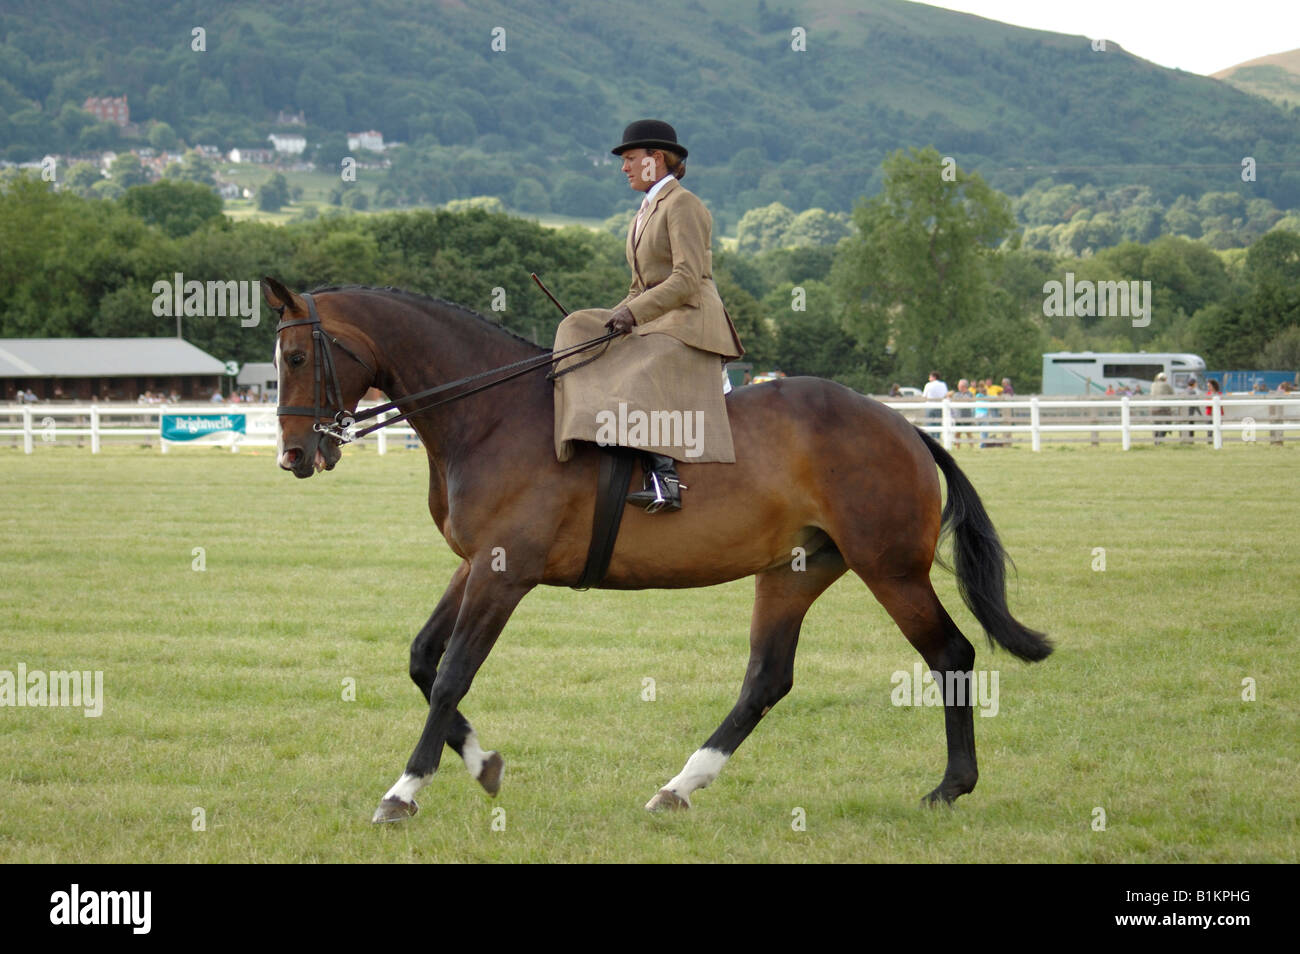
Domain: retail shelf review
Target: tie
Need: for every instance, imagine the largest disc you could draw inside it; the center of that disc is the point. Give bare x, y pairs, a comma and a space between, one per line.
645, 204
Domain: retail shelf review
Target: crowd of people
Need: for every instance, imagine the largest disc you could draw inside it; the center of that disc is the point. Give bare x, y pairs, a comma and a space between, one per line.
936, 389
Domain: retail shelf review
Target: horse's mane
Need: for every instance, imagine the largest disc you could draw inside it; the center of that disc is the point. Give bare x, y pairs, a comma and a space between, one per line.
425, 301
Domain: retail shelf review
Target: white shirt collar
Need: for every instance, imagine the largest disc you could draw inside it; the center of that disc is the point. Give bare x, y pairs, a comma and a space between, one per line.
657, 187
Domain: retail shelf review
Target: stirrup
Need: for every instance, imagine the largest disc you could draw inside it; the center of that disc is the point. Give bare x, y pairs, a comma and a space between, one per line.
662, 498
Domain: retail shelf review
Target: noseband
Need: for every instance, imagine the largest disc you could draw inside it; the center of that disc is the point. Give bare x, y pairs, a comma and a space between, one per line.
323, 360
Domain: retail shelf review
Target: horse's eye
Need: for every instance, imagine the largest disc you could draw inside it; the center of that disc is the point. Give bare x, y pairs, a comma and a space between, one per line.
297, 360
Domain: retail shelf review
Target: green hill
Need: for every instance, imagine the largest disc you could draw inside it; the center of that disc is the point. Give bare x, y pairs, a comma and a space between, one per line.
1275, 77
532, 122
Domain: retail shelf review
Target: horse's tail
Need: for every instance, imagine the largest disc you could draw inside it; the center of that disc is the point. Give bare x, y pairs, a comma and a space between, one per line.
980, 562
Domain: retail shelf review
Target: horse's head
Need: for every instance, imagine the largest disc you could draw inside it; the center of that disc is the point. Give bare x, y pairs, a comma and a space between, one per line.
324, 366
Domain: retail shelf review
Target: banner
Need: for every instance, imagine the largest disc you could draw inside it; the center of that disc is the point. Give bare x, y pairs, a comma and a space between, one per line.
205, 428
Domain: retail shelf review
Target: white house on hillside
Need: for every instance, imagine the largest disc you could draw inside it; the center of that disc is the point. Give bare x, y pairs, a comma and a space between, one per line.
371, 140
292, 144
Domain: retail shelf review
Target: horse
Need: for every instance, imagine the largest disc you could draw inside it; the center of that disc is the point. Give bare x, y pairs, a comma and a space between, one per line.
825, 480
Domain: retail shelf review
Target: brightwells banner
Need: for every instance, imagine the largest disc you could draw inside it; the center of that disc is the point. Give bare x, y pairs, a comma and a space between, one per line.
203, 427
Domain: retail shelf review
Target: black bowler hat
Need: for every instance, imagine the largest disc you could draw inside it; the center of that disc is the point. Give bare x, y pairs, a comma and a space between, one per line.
650, 134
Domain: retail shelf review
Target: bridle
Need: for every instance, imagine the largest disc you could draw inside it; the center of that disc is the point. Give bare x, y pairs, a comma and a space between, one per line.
323, 361
341, 420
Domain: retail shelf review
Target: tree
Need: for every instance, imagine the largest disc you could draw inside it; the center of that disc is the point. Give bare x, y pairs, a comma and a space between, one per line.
127, 171
330, 153
162, 137
178, 208
273, 194
81, 178
763, 228
924, 265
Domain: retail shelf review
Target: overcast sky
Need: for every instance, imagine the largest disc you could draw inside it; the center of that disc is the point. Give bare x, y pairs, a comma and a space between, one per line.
1200, 36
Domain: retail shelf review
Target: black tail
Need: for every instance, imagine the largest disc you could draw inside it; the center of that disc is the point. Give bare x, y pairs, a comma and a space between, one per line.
980, 562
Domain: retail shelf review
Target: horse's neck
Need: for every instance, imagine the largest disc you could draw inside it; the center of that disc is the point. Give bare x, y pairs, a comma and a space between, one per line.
424, 351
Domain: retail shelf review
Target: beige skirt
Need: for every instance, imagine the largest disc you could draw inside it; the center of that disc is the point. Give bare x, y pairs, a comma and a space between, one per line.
650, 391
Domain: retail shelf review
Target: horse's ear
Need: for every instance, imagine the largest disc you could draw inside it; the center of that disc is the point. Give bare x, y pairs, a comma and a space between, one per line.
276, 295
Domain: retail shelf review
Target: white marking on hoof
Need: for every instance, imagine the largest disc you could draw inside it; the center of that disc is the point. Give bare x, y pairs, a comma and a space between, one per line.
405, 788
701, 768
393, 810
473, 755
665, 800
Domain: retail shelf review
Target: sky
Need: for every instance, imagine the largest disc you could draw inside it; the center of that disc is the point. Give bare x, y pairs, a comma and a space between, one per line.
1199, 36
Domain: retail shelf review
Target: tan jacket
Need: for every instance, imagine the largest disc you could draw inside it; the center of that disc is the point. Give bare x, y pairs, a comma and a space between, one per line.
672, 288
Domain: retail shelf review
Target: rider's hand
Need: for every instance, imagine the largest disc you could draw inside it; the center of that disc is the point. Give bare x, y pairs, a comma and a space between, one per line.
621, 320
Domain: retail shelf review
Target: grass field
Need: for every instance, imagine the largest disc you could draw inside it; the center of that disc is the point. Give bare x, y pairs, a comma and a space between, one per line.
224, 687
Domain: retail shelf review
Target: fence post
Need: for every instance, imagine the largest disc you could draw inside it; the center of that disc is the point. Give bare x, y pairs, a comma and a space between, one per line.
1125, 419
947, 423
27, 428
1035, 435
94, 428
1216, 421
381, 441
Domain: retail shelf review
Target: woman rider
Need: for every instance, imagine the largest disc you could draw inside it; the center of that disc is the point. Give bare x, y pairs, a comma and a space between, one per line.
656, 388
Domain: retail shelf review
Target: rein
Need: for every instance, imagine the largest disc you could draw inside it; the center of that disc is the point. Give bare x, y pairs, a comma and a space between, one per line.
342, 420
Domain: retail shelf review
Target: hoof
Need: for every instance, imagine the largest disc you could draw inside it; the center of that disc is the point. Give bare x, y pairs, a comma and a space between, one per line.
394, 810
665, 801
490, 775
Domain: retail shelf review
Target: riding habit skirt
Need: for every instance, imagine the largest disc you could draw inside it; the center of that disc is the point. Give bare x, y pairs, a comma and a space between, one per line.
648, 391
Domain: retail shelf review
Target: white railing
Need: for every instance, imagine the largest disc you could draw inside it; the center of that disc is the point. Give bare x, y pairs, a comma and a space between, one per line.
142, 424
1168, 419
1017, 420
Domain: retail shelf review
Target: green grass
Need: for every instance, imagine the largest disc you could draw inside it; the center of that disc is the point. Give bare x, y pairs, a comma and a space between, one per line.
223, 687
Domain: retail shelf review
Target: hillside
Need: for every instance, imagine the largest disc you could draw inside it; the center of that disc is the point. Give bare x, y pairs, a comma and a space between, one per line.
1275, 77
533, 122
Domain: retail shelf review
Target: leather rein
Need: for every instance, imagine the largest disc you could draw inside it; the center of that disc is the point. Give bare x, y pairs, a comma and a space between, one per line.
329, 389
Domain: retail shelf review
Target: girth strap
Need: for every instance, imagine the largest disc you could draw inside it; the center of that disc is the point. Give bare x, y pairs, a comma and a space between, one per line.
616, 465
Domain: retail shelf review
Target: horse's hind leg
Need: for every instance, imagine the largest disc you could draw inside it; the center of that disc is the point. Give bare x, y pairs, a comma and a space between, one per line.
912, 603
426, 651
782, 597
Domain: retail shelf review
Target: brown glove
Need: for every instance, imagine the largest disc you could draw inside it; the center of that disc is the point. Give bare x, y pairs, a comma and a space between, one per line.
621, 320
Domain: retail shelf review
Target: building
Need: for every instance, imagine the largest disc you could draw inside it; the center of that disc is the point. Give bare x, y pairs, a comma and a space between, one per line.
261, 378
251, 155
108, 109
371, 140
291, 143
107, 369
284, 118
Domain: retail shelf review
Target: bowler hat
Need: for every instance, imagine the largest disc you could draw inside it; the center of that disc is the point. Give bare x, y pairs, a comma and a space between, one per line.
650, 134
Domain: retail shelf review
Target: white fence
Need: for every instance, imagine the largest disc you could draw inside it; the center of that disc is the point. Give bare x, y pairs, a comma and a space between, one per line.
988, 422
95, 424
998, 422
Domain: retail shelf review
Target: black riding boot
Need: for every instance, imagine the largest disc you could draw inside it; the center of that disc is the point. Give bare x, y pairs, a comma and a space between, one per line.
662, 488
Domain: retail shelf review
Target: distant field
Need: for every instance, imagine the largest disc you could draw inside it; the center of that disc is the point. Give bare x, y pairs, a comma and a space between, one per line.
224, 687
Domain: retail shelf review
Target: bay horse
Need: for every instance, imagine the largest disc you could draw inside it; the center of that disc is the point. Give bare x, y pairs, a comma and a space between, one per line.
825, 481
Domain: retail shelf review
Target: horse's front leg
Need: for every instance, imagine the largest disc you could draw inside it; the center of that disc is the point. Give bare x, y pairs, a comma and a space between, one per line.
488, 601
426, 650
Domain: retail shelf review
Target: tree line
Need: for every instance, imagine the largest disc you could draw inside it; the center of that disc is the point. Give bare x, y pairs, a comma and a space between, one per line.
933, 275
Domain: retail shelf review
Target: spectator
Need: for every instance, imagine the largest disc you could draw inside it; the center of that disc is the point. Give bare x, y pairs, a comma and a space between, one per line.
1007, 389
1193, 412
963, 393
216, 397
981, 394
1211, 390
1162, 388
935, 390
895, 391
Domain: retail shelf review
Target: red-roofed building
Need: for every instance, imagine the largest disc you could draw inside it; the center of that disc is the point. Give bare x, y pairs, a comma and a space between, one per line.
108, 109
